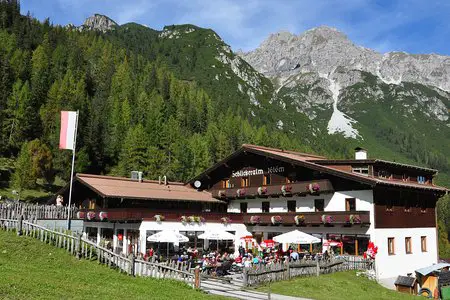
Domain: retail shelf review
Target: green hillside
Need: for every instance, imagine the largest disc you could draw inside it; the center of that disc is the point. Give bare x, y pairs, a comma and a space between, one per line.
30, 269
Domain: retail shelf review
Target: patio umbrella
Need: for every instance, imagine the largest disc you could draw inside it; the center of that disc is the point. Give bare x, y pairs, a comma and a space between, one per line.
296, 237
218, 235
168, 236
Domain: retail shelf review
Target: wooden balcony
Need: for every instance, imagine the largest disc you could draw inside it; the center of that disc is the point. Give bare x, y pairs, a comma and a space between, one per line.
288, 219
297, 188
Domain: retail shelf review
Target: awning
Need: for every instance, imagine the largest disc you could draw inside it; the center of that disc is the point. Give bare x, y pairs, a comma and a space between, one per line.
427, 270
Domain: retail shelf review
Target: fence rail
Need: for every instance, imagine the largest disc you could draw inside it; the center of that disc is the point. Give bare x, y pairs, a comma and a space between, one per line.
263, 274
83, 248
14, 209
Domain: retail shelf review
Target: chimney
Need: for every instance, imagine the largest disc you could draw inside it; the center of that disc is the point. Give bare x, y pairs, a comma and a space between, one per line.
360, 153
165, 180
140, 176
159, 180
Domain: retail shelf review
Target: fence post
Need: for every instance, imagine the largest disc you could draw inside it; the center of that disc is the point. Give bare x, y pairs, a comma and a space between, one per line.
245, 277
78, 246
317, 267
197, 277
20, 225
132, 262
288, 271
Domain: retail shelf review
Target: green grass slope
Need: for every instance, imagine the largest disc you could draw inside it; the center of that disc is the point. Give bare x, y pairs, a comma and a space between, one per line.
30, 269
336, 286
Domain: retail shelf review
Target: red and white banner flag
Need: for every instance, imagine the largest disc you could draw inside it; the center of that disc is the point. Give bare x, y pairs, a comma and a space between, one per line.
68, 127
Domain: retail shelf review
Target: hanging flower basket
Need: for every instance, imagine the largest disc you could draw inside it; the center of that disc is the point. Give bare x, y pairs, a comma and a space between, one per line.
90, 215
184, 219
240, 192
262, 190
159, 218
255, 219
286, 189
81, 215
225, 220
221, 194
313, 188
103, 215
354, 219
327, 219
299, 219
276, 220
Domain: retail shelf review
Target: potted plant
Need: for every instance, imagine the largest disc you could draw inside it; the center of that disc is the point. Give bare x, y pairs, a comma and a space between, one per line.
255, 219
286, 189
240, 192
103, 215
327, 219
202, 220
225, 220
90, 215
313, 188
299, 219
221, 194
184, 219
276, 220
81, 215
262, 190
354, 219
159, 218
192, 219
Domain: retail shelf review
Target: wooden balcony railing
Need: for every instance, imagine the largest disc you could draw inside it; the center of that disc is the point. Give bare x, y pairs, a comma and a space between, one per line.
307, 218
297, 188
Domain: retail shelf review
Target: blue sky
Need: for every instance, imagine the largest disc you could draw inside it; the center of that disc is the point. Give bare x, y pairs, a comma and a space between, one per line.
415, 26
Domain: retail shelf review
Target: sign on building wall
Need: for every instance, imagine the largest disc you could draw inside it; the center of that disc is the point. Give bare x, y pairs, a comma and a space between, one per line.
269, 170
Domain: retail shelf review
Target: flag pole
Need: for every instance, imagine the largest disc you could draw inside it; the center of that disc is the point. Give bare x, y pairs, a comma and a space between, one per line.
71, 173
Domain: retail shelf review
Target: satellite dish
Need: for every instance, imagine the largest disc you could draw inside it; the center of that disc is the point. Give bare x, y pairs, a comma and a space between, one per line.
197, 184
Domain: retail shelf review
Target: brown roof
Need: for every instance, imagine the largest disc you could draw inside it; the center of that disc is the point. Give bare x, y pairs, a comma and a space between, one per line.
120, 187
312, 161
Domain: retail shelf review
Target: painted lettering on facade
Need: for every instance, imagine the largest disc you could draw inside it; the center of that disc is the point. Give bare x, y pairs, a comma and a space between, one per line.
243, 173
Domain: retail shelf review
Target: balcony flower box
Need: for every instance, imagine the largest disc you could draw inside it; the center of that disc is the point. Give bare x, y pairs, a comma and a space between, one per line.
221, 194
286, 189
255, 219
327, 219
262, 190
90, 215
196, 219
354, 219
299, 220
184, 219
103, 216
241, 192
81, 215
159, 218
313, 188
276, 220
225, 220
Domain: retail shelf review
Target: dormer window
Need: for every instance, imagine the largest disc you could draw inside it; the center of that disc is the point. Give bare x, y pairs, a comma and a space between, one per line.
245, 181
421, 179
363, 170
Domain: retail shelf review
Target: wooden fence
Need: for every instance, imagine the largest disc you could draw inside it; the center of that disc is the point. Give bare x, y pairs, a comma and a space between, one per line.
32, 212
83, 248
262, 274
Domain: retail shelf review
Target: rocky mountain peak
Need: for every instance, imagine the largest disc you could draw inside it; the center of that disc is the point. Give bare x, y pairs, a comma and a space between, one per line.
98, 22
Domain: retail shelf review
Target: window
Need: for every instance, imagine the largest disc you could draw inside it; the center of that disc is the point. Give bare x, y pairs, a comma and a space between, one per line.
265, 206
350, 204
423, 205
226, 183
423, 243
391, 246
245, 181
291, 204
407, 205
243, 207
421, 179
266, 179
363, 170
408, 247
384, 174
319, 205
389, 206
